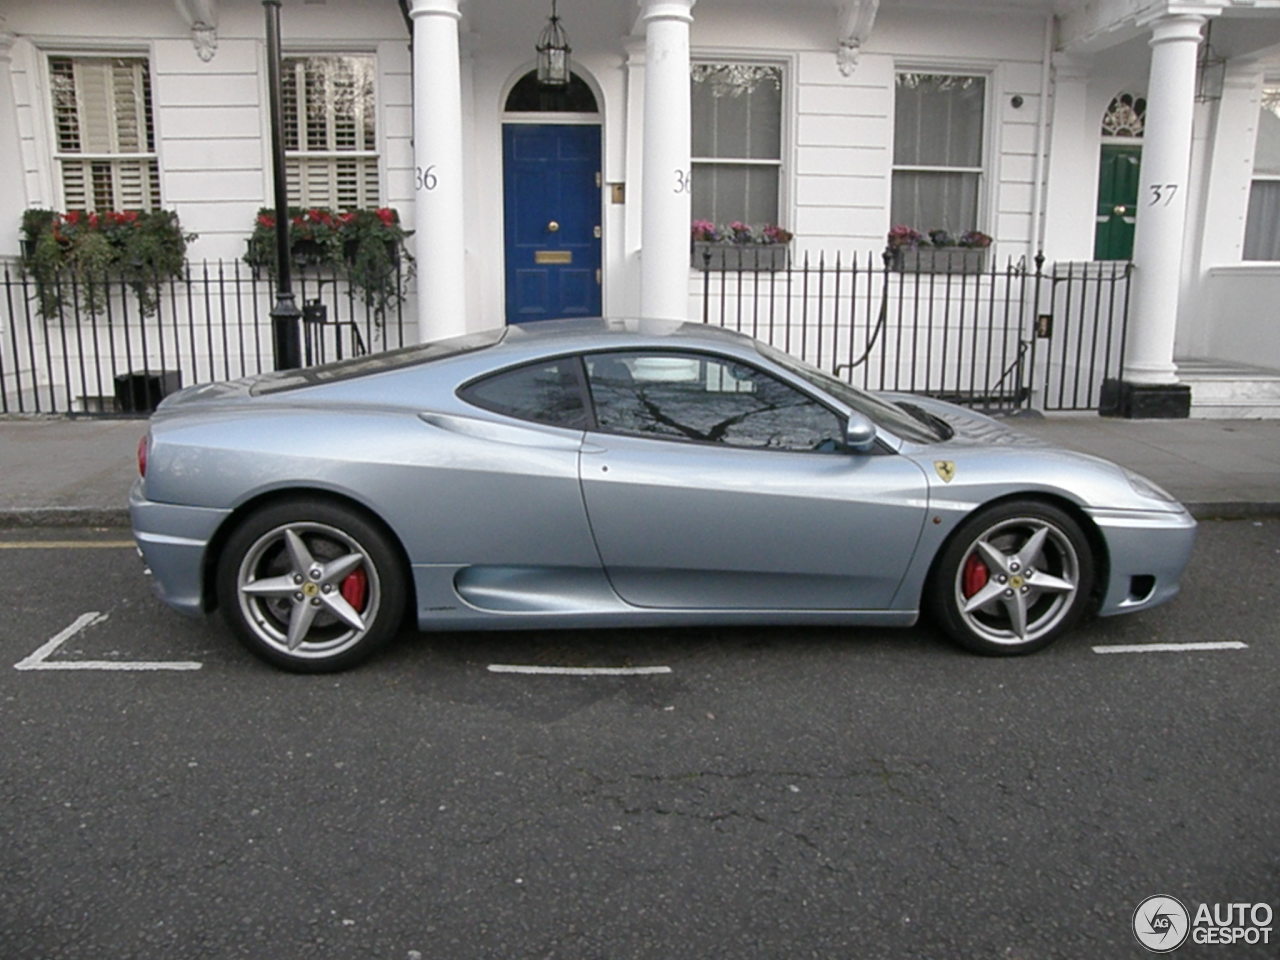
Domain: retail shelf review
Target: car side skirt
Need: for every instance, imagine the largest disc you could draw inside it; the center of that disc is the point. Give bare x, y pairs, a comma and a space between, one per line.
451, 597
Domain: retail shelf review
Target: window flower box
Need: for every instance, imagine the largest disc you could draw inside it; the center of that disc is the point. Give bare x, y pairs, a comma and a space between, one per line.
365, 246
738, 246
961, 260
938, 251
738, 256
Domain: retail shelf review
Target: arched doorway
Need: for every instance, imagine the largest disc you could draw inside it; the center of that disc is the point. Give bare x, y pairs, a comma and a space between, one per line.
551, 201
1119, 163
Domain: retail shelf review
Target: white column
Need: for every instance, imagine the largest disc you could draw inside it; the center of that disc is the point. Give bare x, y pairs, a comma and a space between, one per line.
13, 194
1162, 199
438, 175
667, 175
1073, 163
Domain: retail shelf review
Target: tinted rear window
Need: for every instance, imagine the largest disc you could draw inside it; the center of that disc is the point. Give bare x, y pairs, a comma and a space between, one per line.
546, 392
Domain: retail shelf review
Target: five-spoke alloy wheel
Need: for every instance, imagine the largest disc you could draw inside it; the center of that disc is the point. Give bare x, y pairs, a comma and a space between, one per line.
310, 585
1013, 578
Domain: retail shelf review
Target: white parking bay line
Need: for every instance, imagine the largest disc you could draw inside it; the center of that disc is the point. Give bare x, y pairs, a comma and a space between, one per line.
66, 544
1172, 647
39, 660
577, 671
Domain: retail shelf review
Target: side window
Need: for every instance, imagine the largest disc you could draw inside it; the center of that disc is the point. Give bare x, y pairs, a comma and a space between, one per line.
330, 130
688, 396
938, 130
737, 142
106, 144
542, 392
1262, 229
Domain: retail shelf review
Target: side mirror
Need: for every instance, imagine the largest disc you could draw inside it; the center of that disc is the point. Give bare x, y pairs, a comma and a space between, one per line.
859, 433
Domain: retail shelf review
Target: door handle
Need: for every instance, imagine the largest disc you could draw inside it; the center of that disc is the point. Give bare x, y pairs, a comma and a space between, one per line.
1120, 210
552, 227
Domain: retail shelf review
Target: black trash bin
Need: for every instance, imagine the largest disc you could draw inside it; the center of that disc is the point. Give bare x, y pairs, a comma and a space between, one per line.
142, 392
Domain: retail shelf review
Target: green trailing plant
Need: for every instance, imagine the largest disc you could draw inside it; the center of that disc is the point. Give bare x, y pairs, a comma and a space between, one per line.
86, 251
365, 246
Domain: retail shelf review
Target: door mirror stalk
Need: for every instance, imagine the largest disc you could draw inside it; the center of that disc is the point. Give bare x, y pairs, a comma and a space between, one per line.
859, 433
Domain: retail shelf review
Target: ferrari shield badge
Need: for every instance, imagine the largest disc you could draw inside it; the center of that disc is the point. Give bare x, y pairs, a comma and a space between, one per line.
946, 469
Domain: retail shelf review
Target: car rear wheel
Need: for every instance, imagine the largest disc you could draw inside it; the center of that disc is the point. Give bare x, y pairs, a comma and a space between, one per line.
1013, 579
311, 586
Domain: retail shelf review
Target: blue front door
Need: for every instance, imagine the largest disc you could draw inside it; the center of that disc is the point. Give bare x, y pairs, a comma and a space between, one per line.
552, 220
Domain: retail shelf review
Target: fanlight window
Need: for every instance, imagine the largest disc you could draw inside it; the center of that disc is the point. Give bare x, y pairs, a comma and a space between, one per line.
530, 96
1126, 116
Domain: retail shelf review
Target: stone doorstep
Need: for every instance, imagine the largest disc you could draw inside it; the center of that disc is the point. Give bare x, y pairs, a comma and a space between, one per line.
1223, 390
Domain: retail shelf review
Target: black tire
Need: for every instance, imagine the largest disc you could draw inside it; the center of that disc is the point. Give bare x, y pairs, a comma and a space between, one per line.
311, 586
990, 575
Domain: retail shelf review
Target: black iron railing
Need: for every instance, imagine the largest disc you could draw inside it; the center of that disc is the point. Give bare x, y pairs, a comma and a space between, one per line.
962, 328
99, 348
1004, 338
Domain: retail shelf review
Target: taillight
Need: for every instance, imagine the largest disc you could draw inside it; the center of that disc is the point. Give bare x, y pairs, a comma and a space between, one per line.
144, 447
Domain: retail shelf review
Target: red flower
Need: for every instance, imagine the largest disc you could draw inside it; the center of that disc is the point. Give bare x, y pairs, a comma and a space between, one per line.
387, 216
93, 221
73, 218
266, 221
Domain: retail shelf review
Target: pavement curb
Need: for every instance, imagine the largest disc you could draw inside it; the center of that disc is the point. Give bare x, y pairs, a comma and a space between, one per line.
1234, 509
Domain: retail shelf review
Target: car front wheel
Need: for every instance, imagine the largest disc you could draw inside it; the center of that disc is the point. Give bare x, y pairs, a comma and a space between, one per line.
1013, 579
311, 586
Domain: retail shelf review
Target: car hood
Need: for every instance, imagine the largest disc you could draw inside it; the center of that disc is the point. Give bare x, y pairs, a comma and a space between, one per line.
968, 426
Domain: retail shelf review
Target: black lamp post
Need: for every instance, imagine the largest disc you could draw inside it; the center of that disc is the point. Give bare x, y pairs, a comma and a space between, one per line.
553, 53
286, 318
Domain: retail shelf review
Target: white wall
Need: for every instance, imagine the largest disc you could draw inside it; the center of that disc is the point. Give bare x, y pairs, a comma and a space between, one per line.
1242, 313
213, 129
212, 124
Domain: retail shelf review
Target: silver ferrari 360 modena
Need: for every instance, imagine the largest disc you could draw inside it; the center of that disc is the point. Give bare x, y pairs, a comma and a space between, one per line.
625, 473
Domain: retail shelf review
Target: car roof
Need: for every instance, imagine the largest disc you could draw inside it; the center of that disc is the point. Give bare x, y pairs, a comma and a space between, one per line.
585, 333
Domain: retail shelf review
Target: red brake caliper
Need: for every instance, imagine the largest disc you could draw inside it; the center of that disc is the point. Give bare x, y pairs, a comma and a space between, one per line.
355, 588
975, 576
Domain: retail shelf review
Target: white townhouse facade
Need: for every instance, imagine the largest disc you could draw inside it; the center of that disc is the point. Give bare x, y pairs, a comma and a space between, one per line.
1090, 130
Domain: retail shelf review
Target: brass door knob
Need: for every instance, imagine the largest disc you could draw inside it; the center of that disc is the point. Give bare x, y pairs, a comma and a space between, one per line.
1120, 210
553, 226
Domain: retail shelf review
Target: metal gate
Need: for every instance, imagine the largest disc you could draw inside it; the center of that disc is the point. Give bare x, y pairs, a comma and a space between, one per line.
1080, 332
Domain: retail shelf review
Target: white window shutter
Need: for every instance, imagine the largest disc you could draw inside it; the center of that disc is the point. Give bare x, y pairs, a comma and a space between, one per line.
102, 108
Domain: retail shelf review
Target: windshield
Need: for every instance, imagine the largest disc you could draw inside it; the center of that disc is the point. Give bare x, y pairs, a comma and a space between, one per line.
377, 362
882, 412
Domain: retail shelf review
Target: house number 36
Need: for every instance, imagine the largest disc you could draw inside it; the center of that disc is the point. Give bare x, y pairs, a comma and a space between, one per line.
425, 178
684, 181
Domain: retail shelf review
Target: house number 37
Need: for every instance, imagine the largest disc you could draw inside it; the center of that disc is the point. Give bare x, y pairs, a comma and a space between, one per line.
1162, 193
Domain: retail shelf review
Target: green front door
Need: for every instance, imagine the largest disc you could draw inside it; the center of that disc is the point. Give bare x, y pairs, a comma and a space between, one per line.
1117, 202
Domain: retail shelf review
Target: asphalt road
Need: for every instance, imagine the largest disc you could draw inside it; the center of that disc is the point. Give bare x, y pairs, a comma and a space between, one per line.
781, 793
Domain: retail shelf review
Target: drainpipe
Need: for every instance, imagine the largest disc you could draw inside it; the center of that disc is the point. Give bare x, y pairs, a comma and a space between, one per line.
1042, 134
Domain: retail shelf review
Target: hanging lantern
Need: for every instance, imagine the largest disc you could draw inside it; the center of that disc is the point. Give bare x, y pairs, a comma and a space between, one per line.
1211, 70
553, 53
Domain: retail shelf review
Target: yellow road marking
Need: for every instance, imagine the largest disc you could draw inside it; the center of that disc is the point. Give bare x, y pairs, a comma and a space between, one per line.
65, 544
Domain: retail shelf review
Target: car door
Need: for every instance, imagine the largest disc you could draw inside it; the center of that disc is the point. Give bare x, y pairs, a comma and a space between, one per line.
712, 484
